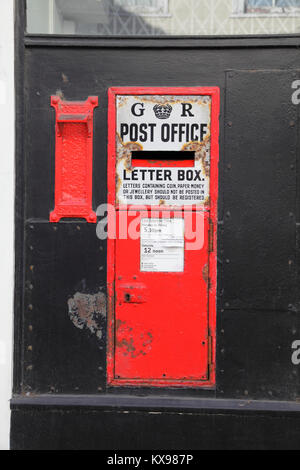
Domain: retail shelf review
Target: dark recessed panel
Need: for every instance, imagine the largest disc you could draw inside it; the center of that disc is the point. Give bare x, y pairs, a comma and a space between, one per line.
254, 355
64, 309
40, 429
258, 236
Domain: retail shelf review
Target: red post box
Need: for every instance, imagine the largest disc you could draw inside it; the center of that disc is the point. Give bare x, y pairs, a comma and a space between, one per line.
163, 193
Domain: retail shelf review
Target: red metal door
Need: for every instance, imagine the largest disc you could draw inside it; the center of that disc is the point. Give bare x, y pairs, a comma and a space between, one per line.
162, 335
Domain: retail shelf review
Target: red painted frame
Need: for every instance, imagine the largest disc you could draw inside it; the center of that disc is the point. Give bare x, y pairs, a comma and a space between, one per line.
214, 92
74, 159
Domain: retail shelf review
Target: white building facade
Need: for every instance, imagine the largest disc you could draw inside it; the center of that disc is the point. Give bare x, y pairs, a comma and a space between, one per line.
7, 211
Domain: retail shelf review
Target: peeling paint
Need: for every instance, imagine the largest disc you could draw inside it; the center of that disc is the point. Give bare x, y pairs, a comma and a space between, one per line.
87, 311
202, 153
166, 99
124, 151
60, 93
122, 100
124, 155
205, 273
64, 78
133, 341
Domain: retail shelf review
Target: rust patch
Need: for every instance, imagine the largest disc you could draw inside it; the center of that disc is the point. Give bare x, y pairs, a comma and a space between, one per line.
166, 99
124, 155
202, 153
205, 273
207, 202
133, 342
124, 151
122, 100
60, 94
88, 312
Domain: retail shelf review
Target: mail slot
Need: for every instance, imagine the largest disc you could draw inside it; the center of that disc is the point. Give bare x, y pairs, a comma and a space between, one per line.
163, 194
162, 159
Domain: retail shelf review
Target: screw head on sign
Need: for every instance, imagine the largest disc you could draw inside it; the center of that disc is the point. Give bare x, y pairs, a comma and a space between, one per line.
92, 217
54, 218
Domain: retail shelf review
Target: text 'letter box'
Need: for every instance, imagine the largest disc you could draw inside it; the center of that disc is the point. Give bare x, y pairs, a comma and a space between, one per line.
163, 191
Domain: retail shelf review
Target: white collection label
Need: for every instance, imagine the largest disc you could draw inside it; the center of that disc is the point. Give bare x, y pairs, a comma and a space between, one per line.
162, 245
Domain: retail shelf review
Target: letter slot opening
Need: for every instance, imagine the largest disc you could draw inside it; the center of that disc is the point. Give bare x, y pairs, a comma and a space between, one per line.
154, 159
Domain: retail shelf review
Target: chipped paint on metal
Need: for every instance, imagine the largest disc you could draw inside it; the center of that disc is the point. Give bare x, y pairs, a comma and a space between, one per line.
205, 273
123, 163
166, 99
133, 341
202, 153
88, 312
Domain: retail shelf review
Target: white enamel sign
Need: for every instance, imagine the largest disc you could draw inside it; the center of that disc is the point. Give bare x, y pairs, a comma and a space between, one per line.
160, 124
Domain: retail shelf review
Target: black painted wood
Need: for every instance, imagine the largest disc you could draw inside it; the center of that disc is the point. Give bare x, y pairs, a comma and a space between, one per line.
77, 429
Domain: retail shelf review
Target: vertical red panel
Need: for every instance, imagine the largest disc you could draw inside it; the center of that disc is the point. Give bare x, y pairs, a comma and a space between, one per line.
125, 315
74, 159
